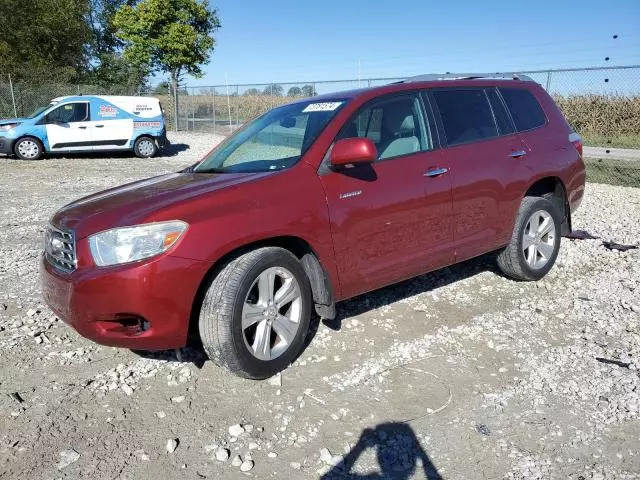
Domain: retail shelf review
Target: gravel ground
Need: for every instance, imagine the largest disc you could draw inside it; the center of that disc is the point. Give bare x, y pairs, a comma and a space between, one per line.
459, 374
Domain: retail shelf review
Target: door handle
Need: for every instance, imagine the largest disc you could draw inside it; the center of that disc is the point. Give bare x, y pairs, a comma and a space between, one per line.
99, 126
518, 154
83, 128
436, 172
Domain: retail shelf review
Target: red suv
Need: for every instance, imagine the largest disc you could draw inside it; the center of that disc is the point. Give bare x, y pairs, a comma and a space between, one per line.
312, 203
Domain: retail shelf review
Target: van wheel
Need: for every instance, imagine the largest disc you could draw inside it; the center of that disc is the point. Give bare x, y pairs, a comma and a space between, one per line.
145, 147
28, 148
256, 312
535, 242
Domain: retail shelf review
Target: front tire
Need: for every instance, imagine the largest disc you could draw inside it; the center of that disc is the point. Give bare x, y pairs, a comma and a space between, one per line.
145, 147
535, 242
255, 314
28, 148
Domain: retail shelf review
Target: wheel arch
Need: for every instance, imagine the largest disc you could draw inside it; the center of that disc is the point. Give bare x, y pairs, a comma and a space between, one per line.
321, 287
553, 189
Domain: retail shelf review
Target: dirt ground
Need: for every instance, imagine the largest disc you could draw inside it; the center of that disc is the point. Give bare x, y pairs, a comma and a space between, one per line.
460, 374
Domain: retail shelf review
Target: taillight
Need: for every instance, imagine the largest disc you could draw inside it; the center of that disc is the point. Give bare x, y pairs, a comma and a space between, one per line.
576, 140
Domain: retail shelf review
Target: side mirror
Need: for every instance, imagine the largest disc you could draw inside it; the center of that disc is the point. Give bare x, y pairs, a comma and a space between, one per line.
353, 151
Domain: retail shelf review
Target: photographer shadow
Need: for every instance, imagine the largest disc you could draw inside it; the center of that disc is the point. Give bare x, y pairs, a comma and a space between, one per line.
399, 453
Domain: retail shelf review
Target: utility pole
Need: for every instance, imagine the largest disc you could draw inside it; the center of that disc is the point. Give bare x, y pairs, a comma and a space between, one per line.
13, 98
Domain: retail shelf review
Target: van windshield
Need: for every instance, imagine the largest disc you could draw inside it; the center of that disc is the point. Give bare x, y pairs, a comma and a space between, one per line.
273, 141
39, 110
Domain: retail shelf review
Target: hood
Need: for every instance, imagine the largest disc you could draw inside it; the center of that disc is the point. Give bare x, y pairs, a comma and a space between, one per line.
142, 201
5, 121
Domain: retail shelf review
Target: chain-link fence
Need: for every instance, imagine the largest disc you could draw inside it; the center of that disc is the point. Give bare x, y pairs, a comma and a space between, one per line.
19, 99
602, 104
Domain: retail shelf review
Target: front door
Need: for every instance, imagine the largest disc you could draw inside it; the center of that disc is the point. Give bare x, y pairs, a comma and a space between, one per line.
69, 128
389, 220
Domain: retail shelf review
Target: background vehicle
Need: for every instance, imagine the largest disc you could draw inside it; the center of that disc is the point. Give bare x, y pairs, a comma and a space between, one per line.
312, 203
87, 123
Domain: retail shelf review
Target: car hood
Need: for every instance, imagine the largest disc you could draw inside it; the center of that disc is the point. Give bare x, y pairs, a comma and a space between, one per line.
138, 202
5, 121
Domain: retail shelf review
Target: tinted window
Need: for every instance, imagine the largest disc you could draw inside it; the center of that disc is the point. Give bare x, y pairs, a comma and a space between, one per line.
505, 126
396, 125
524, 107
466, 115
70, 112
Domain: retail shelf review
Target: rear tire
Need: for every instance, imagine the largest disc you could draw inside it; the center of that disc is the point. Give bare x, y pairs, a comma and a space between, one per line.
256, 312
535, 241
145, 147
28, 148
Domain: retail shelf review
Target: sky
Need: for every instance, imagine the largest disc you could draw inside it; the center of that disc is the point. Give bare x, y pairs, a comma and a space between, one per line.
285, 41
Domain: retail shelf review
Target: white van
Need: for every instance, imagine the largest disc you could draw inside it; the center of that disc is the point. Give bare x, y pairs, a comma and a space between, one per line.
87, 123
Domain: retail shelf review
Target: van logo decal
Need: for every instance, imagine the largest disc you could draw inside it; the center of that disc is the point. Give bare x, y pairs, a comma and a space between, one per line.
355, 193
108, 111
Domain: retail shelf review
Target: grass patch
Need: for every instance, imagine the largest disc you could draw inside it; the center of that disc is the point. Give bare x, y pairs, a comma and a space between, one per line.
613, 141
613, 172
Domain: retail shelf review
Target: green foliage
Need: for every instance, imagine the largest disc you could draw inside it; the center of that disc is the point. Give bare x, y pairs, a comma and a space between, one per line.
274, 89
172, 36
294, 92
44, 40
309, 91
251, 91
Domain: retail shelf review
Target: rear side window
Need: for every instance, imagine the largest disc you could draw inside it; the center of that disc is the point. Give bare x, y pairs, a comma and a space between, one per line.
466, 115
505, 127
524, 107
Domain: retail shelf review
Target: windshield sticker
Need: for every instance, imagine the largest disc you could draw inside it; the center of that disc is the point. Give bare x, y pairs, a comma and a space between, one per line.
322, 107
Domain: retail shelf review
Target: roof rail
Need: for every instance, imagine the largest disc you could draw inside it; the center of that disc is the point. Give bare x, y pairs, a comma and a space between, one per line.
467, 76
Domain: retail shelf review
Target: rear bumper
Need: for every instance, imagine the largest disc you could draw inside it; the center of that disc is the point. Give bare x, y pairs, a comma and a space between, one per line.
144, 306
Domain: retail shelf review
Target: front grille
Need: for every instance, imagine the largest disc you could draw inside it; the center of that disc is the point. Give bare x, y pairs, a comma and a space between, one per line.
60, 248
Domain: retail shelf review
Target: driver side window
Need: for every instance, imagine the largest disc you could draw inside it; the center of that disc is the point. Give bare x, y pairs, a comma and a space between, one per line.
395, 124
70, 112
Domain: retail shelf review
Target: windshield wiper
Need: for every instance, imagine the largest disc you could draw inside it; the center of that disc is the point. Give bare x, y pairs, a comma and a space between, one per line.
211, 170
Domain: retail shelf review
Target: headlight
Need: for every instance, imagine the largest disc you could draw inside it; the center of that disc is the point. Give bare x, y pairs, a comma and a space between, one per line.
8, 126
129, 244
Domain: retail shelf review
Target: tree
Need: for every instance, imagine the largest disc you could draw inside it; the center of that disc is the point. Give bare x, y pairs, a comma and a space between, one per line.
294, 92
168, 36
107, 67
309, 91
273, 89
251, 91
44, 40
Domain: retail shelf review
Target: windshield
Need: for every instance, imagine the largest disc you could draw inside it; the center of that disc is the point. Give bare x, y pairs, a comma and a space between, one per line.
39, 110
274, 141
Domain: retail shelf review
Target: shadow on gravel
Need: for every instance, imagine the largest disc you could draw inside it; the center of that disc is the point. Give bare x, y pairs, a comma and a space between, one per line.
173, 149
399, 454
195, 354
409, 288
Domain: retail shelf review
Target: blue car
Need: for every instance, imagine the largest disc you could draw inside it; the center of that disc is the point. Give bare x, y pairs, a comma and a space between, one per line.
87, 124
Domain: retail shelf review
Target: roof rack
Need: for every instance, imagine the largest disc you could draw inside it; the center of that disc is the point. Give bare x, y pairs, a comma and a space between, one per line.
467, 76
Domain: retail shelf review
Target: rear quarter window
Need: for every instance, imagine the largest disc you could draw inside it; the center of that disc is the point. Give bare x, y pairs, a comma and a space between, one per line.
525, 110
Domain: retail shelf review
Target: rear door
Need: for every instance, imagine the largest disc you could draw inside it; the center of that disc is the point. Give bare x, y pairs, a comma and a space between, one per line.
68, 127
389, 221
482, 149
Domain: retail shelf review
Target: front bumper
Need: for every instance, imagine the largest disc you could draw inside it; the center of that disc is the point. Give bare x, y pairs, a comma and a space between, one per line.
6, 146
144, 306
